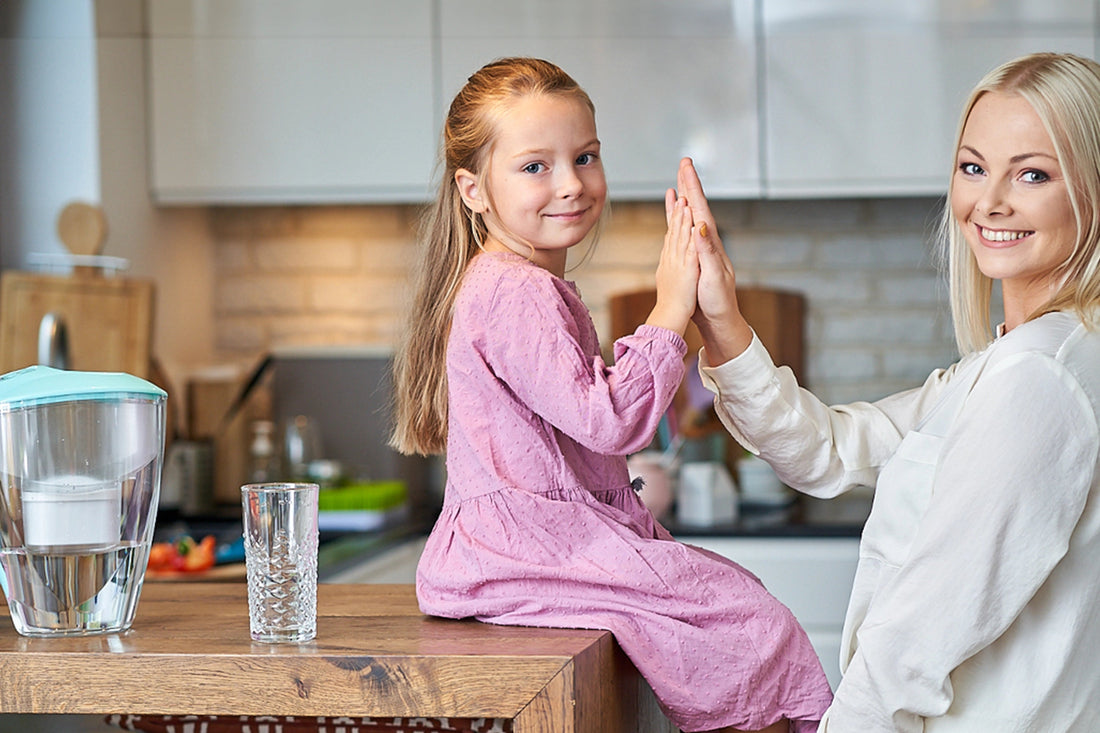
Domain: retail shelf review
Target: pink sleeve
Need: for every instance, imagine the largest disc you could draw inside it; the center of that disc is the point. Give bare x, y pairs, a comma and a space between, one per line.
533, 343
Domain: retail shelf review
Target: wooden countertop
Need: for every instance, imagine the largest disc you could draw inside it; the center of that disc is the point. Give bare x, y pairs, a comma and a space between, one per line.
189, 652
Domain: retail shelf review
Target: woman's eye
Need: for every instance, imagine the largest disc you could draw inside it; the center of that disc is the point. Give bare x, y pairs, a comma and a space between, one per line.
532, 168
1034, 176
971, 169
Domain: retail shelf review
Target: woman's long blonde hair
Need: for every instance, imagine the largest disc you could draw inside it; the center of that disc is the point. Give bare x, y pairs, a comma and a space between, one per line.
450, 236
1064, 90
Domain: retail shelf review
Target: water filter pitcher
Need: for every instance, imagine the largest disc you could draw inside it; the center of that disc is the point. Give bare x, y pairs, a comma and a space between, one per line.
80, 465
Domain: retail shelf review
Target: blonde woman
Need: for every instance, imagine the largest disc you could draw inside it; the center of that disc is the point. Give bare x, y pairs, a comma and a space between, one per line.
975, 602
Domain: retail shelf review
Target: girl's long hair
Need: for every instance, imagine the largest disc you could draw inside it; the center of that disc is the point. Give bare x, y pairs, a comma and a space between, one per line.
1064, 91
450, 236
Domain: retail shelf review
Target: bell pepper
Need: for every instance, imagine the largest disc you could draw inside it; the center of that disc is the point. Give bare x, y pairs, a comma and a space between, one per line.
184, 555
200, 556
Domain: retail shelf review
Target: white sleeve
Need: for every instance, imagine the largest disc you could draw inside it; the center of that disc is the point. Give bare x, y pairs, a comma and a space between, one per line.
814, 448
1010, 484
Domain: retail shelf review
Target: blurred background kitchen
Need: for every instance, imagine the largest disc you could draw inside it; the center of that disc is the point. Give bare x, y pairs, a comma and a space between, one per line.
259, 167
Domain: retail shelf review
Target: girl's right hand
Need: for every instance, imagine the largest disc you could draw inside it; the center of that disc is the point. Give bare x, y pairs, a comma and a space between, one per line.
725, 331
677, 270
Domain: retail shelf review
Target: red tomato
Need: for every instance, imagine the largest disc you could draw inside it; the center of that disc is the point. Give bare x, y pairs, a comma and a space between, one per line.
161, 556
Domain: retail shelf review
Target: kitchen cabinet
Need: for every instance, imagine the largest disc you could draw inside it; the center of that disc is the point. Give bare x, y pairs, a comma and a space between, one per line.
862, 97
283, 101
254, 101
812, 576
667, 80
276, 101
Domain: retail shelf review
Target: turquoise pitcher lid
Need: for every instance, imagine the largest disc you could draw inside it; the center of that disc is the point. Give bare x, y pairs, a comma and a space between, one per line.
40, 385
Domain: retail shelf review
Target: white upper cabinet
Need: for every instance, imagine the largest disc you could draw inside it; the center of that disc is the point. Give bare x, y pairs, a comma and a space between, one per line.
862, 97
289, 101
668, 79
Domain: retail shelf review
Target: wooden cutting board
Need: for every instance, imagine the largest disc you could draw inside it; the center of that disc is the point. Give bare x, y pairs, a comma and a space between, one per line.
777, 316
108, 320
231, 572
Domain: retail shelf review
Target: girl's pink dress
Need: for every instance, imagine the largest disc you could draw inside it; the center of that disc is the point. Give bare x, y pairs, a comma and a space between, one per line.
540, 525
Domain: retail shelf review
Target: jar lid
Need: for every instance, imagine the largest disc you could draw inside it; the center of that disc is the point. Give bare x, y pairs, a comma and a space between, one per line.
40, 385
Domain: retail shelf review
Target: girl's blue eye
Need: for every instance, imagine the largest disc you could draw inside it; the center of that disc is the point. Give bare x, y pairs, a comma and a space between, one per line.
586, 158
532, 168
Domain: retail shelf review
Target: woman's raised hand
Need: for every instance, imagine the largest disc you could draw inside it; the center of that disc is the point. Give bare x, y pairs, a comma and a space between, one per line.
724, 330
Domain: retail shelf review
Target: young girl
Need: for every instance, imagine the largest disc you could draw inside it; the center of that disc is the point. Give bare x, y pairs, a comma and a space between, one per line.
540, 525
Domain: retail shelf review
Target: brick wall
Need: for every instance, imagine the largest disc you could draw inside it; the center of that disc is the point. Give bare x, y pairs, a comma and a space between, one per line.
877, 319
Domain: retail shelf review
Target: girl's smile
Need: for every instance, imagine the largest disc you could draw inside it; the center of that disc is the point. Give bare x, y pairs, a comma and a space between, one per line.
569, 215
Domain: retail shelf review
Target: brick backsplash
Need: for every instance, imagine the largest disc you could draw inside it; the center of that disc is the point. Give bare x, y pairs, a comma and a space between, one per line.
877, 318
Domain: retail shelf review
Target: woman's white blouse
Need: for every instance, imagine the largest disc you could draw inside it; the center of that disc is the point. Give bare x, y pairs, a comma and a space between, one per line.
976, 602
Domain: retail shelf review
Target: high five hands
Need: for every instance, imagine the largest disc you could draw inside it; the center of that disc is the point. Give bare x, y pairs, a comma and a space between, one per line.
724, 330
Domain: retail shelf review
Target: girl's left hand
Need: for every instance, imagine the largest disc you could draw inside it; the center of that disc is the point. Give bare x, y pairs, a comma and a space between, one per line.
677, 270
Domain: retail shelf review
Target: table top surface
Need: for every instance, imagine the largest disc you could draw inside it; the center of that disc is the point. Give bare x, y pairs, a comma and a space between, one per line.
189, 652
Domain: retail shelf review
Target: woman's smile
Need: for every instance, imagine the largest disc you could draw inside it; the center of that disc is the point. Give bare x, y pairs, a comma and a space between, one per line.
998, 237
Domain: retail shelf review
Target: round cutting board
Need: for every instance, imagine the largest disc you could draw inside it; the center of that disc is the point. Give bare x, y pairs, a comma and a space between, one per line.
82, 227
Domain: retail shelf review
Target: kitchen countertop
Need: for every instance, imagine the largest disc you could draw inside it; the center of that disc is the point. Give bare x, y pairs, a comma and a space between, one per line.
189, 652
804, 517
337, 551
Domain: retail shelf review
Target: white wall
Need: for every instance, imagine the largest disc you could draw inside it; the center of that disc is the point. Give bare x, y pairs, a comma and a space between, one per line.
48, 139
171, 246
72, 87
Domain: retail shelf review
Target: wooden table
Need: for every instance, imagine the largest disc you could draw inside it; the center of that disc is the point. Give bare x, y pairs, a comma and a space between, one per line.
375, 654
